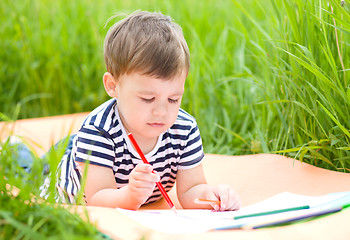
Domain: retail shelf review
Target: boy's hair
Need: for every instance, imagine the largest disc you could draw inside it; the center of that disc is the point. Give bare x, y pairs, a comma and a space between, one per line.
147, 43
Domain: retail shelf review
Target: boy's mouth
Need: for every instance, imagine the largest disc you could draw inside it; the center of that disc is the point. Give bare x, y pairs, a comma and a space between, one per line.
156, 125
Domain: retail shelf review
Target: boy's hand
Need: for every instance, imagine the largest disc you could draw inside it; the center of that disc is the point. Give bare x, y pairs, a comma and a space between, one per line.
142, 183
228, 197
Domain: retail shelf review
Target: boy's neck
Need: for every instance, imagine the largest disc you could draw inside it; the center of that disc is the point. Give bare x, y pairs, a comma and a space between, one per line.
146, 145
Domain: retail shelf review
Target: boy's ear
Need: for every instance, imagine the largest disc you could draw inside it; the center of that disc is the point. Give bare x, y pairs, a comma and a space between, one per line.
110, 84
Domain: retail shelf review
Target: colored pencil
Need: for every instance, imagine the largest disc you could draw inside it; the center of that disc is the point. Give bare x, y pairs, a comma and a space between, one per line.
285, 217
206, 201
272, 212
159, 184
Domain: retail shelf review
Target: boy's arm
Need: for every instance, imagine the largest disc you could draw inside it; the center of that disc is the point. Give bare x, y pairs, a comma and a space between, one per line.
101, 188
191, 184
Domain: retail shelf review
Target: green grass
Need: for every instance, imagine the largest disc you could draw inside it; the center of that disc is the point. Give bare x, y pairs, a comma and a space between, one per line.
266, 76
24, 215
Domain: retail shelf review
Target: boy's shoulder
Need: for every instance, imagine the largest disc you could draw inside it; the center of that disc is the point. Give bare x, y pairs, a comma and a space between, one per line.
184, 128
103, 117
185, 116
184, 121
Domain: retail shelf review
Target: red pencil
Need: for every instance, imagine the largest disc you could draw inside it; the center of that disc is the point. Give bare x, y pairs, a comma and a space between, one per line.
162, 190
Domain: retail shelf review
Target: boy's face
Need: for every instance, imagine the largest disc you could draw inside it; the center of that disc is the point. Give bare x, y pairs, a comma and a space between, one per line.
147, 105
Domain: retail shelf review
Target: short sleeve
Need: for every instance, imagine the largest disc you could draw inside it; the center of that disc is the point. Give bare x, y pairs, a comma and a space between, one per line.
96, 146
192, 153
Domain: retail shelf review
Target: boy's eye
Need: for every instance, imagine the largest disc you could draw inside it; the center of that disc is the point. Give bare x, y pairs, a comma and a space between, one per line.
173, 100
148, 100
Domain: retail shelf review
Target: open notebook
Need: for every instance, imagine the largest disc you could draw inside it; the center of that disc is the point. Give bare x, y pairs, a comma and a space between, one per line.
280, 208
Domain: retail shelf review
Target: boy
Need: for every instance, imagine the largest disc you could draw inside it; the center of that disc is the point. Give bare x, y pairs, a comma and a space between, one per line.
147, 61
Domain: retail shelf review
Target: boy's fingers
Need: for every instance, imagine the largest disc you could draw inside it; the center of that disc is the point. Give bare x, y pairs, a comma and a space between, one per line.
235, 202
213, 197
229, 199
144, 172
143, 167
238, 203
216, 207
157, 176
224, 197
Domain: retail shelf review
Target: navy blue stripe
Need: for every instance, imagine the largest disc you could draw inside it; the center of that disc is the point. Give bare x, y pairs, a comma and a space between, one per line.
165, 158
113, 116
90, 131
193, 130
117, 134
169, 187
181, 127
95, 154
192, 152
73, 186
124, 172
105, 115
191, 162
67, 171
77, 171
168, 146
165, 136
101, 109
162, 169
103, 119
172, 174
95, 143
166, 182
104, 133
127, 152
77, 159
154, 196
92, 120
119, 154
166, 175
122, 181
178, 136
193, 141
152, 200
98, 131
186, 115
124, 161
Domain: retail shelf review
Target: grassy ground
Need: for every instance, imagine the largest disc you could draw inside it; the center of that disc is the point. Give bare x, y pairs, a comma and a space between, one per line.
266, 76
23, 215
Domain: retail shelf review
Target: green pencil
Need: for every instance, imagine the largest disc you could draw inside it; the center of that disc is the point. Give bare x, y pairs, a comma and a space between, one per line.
272, 212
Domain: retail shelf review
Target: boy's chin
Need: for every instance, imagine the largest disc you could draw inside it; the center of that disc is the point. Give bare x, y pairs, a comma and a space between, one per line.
154, 133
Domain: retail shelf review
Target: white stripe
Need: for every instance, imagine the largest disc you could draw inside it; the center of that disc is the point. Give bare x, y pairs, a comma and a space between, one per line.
92, 147
93, 138
93, 159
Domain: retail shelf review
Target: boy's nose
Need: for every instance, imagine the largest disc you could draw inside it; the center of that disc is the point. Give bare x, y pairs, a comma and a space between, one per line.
160, 109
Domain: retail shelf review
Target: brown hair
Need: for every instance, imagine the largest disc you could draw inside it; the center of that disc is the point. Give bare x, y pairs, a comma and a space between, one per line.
149, 43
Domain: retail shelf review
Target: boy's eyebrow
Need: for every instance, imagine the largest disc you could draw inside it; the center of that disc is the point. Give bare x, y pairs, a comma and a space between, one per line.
147, 92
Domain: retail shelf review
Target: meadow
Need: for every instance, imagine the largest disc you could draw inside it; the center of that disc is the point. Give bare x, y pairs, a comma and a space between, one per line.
266, 76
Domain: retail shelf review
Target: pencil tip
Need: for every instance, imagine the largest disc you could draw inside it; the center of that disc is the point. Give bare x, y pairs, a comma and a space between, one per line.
174, 210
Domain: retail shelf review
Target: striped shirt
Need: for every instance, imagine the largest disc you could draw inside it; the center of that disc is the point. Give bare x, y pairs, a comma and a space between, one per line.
103, 141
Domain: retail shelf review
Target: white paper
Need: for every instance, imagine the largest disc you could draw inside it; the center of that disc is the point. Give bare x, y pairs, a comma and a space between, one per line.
288, 200
185, 221
198, 221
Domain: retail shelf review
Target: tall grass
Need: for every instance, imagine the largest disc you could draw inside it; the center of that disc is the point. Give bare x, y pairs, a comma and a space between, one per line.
266, 76
22, 214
